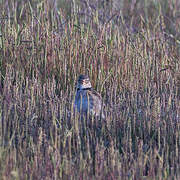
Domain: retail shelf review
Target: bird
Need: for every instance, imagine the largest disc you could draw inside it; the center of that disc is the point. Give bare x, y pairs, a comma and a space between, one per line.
87, 100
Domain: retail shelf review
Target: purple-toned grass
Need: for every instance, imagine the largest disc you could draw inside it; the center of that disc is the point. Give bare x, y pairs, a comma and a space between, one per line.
131, 53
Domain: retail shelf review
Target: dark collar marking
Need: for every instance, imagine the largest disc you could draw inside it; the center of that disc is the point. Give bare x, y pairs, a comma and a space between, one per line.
84, 89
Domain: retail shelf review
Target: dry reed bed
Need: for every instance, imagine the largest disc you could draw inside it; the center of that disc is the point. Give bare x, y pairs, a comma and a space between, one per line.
136, 73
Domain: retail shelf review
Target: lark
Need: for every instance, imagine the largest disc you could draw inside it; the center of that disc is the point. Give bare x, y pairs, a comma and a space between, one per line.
87, 100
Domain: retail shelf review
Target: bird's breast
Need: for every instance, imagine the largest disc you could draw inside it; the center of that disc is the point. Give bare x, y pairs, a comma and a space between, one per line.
83, 101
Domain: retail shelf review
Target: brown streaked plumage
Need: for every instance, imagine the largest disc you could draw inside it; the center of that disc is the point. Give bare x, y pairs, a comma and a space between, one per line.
87, 100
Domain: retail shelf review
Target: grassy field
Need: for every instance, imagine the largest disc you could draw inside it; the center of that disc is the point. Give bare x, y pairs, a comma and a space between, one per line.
131, 52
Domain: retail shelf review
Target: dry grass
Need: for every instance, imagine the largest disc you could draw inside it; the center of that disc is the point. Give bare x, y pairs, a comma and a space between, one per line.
131, 53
